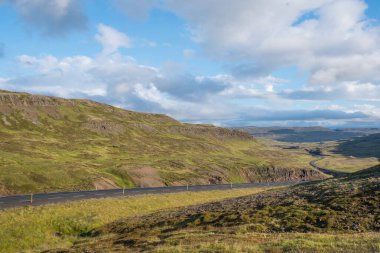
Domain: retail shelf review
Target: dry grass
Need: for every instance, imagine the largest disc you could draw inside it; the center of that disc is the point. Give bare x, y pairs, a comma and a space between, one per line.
37, 228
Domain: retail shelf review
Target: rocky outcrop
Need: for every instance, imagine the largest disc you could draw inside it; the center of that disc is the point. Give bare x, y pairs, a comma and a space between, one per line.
210, 131
104, 127
23, 99
274, 174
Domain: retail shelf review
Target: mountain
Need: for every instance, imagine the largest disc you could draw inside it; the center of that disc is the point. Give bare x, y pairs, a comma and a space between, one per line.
346, 205
365, 146
55, 144
307, 134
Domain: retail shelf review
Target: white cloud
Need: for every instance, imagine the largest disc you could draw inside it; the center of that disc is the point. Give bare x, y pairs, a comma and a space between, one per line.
344, 90
333, 40
111, 39
115, 79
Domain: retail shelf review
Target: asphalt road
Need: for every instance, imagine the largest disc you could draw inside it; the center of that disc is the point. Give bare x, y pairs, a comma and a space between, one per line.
326, 170
56, 197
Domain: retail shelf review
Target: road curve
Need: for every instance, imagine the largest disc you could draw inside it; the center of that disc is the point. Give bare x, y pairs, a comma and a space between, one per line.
56, 197
326, 170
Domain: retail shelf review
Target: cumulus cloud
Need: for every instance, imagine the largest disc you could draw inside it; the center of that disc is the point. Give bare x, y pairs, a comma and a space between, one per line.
53, 17
113, 78
111, 39
332, 40
123, 82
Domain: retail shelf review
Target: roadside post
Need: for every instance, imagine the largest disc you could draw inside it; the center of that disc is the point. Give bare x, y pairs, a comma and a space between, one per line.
123, 190
31, 198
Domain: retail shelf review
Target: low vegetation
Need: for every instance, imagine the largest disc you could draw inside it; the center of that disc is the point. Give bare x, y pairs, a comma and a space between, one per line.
317, 214
40, 228
365, 146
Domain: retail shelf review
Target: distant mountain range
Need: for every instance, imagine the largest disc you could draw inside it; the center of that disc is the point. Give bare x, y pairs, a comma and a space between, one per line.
307, 134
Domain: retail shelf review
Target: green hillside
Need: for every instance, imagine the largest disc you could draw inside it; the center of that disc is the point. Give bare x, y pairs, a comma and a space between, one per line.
54, 144
366, 146
335, 208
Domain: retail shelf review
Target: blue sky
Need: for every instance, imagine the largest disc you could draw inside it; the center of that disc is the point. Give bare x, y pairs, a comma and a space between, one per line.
230, 63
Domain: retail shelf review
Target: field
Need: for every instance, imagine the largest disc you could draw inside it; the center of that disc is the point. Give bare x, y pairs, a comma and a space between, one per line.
45, 227
332, 159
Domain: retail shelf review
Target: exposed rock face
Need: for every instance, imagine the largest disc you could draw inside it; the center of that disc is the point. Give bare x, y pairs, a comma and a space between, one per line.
21, 99
272, 174
104, 127
211, 131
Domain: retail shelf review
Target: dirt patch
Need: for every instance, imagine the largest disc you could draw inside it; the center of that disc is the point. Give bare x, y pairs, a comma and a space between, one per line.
145, 177
4, 191
104, 183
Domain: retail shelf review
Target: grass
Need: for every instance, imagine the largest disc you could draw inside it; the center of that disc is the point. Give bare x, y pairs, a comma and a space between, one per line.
271, 243
40, 228
347, 164
334, 159
313, 217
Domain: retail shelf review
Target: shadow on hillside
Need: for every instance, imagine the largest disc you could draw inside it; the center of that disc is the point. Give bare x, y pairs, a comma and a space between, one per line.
363, 147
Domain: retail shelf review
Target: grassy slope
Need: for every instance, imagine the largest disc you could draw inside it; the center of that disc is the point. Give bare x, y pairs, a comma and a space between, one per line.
366, 146
45, 227
337, 208
52, 144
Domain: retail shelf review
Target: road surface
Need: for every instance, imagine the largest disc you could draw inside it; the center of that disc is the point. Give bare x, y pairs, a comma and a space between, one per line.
56, 197
326, 170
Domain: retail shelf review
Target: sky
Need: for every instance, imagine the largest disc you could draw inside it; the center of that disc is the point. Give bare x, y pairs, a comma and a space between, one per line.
222, 62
